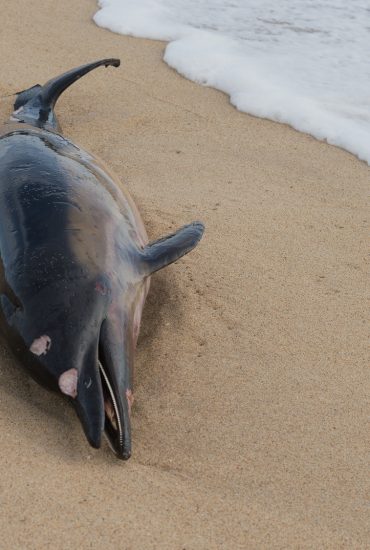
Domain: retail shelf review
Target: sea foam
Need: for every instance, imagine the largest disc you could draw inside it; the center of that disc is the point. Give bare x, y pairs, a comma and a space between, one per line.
300, 62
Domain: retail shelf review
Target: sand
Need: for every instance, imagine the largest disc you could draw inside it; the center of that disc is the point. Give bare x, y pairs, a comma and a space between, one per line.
251, 419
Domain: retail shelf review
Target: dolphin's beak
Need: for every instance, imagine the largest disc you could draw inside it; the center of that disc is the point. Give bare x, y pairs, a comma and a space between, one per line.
89, 402
115, 375
117, 426
101, 394
100, 409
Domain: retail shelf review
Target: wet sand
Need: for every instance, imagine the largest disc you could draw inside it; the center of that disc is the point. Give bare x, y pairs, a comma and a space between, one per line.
251, 415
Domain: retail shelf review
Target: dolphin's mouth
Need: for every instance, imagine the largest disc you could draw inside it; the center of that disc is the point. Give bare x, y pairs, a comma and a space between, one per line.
113, 426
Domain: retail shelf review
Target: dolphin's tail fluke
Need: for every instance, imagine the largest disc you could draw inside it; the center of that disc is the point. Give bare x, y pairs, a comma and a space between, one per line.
26, 95
56, 86
36, 104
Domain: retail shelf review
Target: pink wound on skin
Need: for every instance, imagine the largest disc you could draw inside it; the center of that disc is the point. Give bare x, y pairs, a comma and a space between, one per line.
68, 382
102, 289
130, 400
41, 345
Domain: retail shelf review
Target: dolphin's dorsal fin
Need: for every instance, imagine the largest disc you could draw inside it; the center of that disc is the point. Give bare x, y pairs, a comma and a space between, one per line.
36, 104
168, 249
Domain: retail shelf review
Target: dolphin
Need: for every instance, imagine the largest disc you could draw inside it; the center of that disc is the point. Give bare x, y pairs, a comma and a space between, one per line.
75, 264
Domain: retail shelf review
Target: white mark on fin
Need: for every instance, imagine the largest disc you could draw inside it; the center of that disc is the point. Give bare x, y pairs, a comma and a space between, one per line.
18, 110
41, 345
68, 382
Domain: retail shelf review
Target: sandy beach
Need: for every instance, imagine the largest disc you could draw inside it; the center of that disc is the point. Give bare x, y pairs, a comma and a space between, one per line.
251, 415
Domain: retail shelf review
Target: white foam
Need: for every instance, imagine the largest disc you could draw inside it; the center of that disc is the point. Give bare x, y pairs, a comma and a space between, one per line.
299, 62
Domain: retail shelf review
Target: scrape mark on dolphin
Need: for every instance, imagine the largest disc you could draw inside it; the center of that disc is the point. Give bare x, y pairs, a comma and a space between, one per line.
68, 382
41, 345
130, 400
101, 288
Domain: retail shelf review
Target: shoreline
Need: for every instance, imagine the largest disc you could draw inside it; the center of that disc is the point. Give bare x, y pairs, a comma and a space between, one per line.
251, 410
211, 58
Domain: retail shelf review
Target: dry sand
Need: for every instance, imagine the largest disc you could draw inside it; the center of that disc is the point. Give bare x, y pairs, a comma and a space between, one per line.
251, 420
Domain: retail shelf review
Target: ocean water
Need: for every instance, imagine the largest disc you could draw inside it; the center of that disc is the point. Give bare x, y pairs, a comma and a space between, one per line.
301, 62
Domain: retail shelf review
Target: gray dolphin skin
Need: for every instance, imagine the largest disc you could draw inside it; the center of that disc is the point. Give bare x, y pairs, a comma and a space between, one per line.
75, 264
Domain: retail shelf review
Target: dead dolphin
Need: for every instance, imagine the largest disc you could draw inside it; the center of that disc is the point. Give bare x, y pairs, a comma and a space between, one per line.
75, 264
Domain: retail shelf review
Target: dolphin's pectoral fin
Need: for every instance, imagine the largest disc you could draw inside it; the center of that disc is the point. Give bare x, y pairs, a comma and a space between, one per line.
10, 310
168, 249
